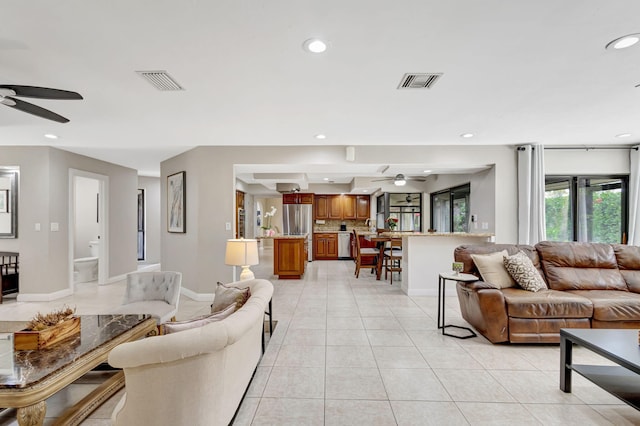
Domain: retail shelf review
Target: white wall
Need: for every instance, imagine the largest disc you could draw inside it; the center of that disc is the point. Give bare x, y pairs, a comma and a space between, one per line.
151, 186
583, 162
86, 211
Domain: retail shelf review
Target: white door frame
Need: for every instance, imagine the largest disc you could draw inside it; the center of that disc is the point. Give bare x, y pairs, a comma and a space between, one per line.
103, 225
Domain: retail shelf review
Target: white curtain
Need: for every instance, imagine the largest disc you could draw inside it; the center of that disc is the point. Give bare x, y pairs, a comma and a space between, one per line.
531, 221
634, 197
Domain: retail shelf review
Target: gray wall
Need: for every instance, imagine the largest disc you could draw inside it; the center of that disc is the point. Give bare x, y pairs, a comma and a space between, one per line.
44, 198
151, 186
199, 254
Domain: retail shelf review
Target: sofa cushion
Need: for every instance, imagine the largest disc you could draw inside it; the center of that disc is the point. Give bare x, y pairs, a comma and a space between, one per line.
611, 305
546, 304
492, 270
580, 266
628, 258
522, 270
225, 295
175, 326
463, 254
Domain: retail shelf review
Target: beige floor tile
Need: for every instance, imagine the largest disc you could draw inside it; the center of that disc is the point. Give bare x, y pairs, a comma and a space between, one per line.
381, 323
344, 323
356, 412
270, 354
301, 356
247, 410
619, 415
259, 382
413, 385
305, 337
449, 357
354, 383
307, 323
295, 382
289, 412
533, 387
389, 338
427, 413
472, 386
566, 415
496, 414
347, 338
399, 357
350, 356
499, 357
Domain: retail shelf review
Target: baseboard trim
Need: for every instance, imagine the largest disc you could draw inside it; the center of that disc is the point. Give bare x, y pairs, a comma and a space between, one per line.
115, 279
198, 297
43, 297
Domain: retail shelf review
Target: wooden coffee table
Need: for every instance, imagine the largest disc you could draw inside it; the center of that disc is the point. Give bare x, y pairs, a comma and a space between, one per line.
617, 345
39, 374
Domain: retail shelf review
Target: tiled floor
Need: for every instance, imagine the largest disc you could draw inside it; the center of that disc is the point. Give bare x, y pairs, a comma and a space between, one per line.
352, 351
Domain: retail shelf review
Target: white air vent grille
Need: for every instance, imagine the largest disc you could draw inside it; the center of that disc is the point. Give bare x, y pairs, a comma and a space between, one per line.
160, 80
419, 80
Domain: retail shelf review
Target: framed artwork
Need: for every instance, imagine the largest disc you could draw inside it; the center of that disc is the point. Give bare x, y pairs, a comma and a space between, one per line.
4, 200
176, 202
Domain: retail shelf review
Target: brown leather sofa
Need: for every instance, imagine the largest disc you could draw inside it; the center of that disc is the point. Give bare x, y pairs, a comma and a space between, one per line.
591, 285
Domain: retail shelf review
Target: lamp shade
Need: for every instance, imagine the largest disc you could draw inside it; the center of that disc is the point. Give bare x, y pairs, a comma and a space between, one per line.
241, 252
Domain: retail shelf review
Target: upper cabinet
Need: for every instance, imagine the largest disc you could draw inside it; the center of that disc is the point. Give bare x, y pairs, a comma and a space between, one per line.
341, 207
296, 198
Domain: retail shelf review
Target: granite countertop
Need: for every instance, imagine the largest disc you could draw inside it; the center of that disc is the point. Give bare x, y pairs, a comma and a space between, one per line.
288, 237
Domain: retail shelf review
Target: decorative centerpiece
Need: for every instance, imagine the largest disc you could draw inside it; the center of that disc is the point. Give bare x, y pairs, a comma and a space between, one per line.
266, 227
46, 330
457, 267
392, 222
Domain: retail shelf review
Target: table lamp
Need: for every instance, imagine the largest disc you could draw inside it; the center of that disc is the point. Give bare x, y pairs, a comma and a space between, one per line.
242, 252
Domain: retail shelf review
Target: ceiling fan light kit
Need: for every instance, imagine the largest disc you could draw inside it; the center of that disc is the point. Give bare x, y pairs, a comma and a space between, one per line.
400, 179
7, 93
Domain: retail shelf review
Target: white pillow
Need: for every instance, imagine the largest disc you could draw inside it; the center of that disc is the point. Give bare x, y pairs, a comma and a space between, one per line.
175, 326
492, 270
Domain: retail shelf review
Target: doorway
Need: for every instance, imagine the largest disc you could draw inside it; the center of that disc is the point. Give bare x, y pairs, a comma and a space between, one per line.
88, 223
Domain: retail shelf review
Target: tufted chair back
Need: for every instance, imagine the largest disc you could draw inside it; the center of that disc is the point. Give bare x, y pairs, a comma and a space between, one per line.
156, 285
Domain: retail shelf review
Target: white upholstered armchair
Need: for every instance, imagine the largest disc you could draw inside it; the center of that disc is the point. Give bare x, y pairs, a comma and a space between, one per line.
156, 293
196, 376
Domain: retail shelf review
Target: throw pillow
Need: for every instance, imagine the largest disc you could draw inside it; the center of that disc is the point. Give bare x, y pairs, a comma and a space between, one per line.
175, 326
492, 269
226, 295
524, 272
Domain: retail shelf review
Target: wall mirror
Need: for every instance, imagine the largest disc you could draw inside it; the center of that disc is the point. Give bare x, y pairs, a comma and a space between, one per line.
8, 202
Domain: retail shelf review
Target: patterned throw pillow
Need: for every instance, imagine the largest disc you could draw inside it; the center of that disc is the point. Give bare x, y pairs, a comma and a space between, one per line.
492, 270
522, 270
226, 295
175, 326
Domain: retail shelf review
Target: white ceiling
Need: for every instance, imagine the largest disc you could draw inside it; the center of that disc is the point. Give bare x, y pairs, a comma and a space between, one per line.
513, 72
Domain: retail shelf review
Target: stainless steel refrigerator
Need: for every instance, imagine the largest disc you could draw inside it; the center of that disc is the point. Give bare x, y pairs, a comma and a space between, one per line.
297, 219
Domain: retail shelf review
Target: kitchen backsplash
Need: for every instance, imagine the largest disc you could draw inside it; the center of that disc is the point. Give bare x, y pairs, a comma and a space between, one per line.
334, 225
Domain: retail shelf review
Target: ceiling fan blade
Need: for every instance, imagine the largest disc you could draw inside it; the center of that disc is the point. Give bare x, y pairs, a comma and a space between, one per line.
383, 179
36, 110
41, 92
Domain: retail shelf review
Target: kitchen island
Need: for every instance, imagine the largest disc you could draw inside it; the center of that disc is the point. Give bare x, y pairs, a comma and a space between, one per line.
425, 255
290, 256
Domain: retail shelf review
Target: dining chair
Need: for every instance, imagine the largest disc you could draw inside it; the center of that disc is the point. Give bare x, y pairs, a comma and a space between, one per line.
366, 258
393, 258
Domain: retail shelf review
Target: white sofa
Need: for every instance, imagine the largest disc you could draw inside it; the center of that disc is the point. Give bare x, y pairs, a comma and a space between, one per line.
197, 376
156, 293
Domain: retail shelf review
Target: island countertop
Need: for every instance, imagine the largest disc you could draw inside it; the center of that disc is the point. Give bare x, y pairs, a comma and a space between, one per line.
290, 237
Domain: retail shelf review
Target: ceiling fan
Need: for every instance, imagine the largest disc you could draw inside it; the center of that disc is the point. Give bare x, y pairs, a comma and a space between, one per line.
7, 93
400, 179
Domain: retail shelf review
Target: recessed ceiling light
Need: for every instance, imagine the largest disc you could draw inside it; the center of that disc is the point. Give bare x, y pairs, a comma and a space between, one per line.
426, 171
623, 42
623, 135
314, 45
321, 136
325, 178
50, 136
364, 190
466, 135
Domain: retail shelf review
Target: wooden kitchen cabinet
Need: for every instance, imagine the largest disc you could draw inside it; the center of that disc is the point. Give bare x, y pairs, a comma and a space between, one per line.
348, 206
335, 207
296, 198
363, 206
321, 207
289, 257
325, 246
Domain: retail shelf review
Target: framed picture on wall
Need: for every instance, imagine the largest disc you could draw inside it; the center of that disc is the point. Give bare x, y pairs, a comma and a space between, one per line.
176, 202
4, 200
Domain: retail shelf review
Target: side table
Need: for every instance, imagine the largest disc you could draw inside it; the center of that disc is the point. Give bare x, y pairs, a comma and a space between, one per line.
443, 278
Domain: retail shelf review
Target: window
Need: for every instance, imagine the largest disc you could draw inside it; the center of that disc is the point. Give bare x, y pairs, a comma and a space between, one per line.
141, 226
406, 207
450, 209
586, 208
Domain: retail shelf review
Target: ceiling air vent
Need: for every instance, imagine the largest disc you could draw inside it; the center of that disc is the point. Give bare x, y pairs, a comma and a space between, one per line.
160, 80
419, 80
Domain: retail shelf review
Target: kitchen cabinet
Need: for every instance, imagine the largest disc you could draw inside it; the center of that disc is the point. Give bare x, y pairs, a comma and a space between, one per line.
341, 207
321, 207
325, 246
296, 198
289, 257
240, 214
363, 207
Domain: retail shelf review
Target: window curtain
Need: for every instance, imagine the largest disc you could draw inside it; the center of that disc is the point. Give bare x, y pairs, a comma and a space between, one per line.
531, 221
634, 197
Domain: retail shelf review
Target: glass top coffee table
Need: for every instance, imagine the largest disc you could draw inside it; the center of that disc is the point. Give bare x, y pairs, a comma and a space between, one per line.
619, 346
35, 375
